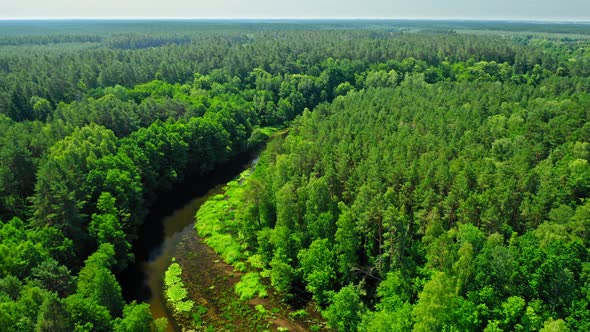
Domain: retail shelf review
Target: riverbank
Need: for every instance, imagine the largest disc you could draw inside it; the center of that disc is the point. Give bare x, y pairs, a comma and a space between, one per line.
169, 220
227, 288
211, 280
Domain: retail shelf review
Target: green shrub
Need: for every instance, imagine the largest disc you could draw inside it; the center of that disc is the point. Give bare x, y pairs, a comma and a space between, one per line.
256, 261
261, 309
161, 324
176, 293
299, 314
198, 315
250, 287
225, 246
240, 266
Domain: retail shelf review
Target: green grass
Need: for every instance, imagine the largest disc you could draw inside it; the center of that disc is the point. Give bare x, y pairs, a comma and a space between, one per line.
299, 314
216, 222
198, 316
260, 308
250, 287
226, 246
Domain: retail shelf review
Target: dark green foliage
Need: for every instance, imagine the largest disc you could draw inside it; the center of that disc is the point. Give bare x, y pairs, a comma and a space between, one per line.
53, 316
436, 180
54, 277
451, 206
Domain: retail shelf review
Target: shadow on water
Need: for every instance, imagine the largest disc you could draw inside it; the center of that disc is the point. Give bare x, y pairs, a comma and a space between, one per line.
171, 216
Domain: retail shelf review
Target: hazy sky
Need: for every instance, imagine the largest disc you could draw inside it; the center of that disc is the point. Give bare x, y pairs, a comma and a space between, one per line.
446, 9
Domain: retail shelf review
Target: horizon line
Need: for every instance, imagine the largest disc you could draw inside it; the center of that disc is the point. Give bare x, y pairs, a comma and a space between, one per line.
514, 20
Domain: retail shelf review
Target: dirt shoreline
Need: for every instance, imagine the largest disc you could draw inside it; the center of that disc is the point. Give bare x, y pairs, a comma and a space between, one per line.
210, 283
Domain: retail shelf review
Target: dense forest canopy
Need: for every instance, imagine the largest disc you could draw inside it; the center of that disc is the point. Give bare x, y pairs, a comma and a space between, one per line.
429, 207
437, 178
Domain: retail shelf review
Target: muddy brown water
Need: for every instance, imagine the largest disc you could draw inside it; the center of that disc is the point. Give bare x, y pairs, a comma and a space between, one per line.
176, 226
172, 219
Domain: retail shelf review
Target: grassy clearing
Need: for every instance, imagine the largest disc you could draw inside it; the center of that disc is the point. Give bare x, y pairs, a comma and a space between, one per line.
215, 222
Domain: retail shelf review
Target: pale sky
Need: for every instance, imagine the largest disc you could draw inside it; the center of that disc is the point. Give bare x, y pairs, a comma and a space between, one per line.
578, 10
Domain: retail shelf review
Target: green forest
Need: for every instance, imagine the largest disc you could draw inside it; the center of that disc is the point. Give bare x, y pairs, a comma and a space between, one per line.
426, 176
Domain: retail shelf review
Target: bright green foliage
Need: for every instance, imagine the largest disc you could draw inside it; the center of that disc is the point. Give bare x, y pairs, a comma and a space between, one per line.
161, 324
136, 318
513, 308
41, 107
317, 268
59, 192
218, 213
119, 176
22, 304
381, 79
88, 315
393, 310
387, 320
250, 287
421, 159
345, 311
493, 326
98, 284
19, 253
282, 275
226, 246
435, 307
105, 227
459, 196
176, 293
555, 326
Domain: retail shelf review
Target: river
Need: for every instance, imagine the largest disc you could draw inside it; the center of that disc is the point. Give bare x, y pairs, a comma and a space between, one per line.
171, 218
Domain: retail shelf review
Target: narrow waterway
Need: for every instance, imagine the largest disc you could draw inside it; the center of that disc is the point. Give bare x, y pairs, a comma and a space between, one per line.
176, 226
170, 220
